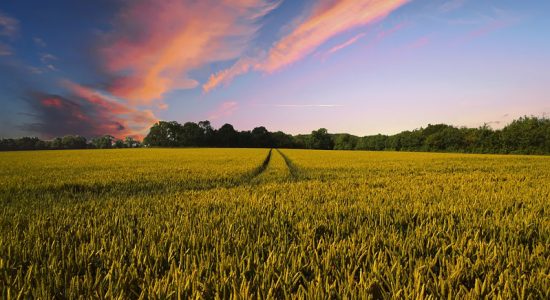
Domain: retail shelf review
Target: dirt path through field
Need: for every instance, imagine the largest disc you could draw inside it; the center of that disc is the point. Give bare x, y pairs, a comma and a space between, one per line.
276, 170
292, 168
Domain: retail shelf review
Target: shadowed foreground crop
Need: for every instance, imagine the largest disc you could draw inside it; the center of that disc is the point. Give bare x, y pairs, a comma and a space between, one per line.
207, 223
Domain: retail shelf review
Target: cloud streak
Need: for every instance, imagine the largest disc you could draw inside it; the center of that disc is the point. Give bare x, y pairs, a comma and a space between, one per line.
326, 20
416, 44
5, 50
150, 49
451, 5
225, 109
490, 24
39, 42
8, 25
345, 44
307, 105
224, 77
155, 45
85, 111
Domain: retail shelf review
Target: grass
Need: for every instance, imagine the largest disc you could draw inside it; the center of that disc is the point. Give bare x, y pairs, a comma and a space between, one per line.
222, 223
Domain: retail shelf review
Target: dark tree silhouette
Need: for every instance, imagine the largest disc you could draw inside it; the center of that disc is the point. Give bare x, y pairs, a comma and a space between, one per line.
320, 139
227, 136
526, 135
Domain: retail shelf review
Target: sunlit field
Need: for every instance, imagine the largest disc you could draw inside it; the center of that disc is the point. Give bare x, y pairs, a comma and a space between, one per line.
260, 223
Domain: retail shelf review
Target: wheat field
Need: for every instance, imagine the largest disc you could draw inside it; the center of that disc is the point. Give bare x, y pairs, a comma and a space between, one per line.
261, 223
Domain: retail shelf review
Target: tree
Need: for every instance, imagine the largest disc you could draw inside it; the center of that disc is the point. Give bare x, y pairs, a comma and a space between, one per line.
447, 138
192, 135
480, 140
56, 143
411, 140
7, 145
527, 135
283, 140
320, 139
164, 134
103, 142
261, 137
27, 143
226, 136
129, 142
345, 141
302, 141
119, 144
73, 142
373, 142
208, 133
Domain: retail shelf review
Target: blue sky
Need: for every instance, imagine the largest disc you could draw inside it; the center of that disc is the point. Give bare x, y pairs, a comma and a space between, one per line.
363, 67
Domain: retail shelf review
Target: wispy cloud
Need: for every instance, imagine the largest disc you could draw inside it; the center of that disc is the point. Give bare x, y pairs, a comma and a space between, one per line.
47, 60
5, 50
487, 24
155, 45
451, 5
308, 105
39, 42
8, 25
388, 32
484, 30
85, 111
150, 50
417, 43
224, 77
35, 70
325, 20
343, 45
300, 105
225, 109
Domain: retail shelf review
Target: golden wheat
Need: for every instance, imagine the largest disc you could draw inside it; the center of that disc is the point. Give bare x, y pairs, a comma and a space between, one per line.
229, 223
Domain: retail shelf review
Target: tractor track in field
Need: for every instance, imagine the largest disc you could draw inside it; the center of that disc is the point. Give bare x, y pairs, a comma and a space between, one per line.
257, 176
259, 170
139, 188
292, 168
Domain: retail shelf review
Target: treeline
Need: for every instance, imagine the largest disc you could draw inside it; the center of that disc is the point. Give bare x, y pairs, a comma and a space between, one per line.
201, 134
68, 142
526, 135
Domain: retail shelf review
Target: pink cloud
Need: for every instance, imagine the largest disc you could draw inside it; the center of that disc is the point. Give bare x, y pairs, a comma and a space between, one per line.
242, 66
418, 43
155, 45
493, 26
106, 107
58, 116
306, 105
8, 25
5, 50
345, 44
39, 42
385, 33
151, 49
451, 5
326, 20
500, 20
51, 101
224, 110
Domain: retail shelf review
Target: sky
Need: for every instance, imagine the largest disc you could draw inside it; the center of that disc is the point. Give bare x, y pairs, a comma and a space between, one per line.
357, 66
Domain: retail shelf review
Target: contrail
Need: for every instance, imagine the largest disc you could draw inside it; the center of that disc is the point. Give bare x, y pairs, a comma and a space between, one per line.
306, 105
